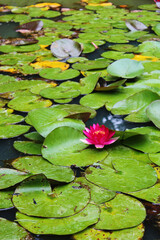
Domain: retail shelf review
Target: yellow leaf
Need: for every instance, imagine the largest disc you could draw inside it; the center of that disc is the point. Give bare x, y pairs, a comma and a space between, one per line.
50, 64
49, 5
138, 57
100, 4
9, 69
157, 171
43, 46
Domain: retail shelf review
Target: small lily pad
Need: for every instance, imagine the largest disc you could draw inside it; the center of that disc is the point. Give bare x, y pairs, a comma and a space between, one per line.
5, 199
28, 147
58, 74
100, 63
153, 112
10, 131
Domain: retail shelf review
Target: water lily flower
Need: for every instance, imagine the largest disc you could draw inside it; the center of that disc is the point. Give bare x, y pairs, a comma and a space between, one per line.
99, 136
157, 3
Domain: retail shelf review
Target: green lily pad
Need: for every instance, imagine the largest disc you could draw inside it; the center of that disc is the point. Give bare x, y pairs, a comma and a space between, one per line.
58, 74
8, 228
120, 213
28, 147
6, 117
153, 112
64, 48
135, 105
156, 29
151, 194
12, 59
34, 136
41, 12
151, 131
116, 55
10, 177
88, 83
60, 226
38, 165
125, 68
28, 102
125, 153
94, 234
155, 158
10, 131
98, 194
123, 47
72, 150
3, 102
100, 63
77, 59
26, 48
41, 201
110, 86
46, 119
144, 143
150, 48
127, 175
5, 199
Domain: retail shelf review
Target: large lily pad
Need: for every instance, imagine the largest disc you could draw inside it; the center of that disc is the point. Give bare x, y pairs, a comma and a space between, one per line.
10, 177
58, 74
127, 175
150, 48
153, 112
135, 233
37, 165
125, 68
8, 229
120, 213
60, 226
100, 63
41, 201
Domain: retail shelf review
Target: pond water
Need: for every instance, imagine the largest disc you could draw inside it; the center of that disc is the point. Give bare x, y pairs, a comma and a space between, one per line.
103, 116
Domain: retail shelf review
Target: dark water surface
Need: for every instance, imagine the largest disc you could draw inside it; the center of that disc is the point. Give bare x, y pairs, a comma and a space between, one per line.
7, 152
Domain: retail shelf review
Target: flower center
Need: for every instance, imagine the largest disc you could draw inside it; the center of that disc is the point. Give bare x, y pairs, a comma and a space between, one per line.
101, 132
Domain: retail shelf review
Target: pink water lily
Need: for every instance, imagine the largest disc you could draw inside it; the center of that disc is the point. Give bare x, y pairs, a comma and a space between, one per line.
99, 136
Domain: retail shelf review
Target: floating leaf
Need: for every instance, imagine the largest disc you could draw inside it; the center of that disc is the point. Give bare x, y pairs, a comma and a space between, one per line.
125, 68
26, 48
58, 74
120, 213
41, 201
8, 228
94, 234
50, 64
28, 147
150, 48
128, 175
156, 29
60, 226
155, 158
38, 165
10, 177
91, 64
116, 55
7, 117
34, 136
64, 48
153, 112
30, 27
10, 131
5, 199
98, 194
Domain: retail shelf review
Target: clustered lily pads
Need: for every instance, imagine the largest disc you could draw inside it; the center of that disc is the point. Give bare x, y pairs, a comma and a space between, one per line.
66, 65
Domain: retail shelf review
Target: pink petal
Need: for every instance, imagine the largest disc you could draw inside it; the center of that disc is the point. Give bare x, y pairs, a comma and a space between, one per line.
94, 126
111, 134
99, 146
111, 141
85, 141
87, 134
87, 129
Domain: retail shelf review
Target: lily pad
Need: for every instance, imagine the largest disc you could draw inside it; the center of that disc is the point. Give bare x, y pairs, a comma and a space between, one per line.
60, 226
98, 194
8, 118
153, 112
91, 64
58, 74
116, 55
10, 177
150, 48
135, 25
28, 147
34, 136
120, 213
11, 48
5, 199
151, 194
94, 234
8, 228
10, 131
127, 175
38, 165
64, 48
41, 201
155, 158
125, 68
